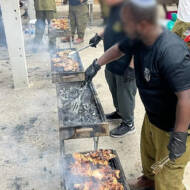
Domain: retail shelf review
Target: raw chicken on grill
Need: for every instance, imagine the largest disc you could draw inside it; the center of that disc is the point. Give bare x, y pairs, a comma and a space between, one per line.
67, 63
64, 53
60, 24
62, 60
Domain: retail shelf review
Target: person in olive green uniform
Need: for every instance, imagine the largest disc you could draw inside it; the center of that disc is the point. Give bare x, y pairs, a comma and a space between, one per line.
105, 10
182, 25
45, 11
78, 13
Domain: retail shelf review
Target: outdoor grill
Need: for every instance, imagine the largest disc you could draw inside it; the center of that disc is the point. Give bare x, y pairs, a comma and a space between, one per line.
59, 75
86, 119
53, 32
89, 121
70, 180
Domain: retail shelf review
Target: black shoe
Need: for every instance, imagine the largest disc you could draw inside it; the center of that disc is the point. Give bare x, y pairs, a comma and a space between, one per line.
122, 130
113, 115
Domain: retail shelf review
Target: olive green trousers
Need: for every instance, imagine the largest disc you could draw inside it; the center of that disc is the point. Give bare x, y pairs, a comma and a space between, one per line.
154, 143
79, 19
105, 10
181, 29
42, 17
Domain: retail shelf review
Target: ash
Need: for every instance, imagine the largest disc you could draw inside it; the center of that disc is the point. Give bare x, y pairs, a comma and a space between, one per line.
87, 112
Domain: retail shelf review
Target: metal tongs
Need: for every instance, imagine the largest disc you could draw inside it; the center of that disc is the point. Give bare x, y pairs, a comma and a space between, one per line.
77, 102
79, 50
158, 166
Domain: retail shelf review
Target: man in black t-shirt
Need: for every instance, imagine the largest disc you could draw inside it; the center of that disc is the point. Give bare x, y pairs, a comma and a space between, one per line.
162, 66
119, 74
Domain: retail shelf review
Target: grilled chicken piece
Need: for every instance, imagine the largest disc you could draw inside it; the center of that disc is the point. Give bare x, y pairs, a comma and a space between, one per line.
60, 24
56, 60
100, 157
68, 64
94, 166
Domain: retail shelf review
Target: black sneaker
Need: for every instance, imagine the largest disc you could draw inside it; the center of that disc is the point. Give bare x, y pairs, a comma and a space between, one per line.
122, 130
113, 115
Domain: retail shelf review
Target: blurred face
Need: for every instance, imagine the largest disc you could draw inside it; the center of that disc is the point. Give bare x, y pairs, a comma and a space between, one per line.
113, 2
133, 29
129, 25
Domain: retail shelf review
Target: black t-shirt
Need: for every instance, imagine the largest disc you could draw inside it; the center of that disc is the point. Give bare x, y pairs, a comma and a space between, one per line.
161, 70
113, 34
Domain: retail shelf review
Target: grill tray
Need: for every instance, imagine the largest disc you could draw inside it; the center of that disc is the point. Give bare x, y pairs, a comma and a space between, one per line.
90, 121
53, 32
114, 163
59, 75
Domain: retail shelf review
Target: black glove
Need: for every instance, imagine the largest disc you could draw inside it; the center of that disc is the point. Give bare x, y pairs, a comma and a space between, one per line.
177, 145
129, 74
92, 71
95, 40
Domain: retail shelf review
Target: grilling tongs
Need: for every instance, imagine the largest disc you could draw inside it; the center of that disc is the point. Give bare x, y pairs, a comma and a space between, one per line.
77, 102
79, 50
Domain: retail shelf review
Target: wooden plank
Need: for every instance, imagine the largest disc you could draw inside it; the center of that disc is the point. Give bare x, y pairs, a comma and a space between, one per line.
168, 2
15, 41
81, 132
59, 78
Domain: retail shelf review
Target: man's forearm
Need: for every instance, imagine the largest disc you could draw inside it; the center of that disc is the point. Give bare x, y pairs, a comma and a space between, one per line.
183, 112
110, 55
101, 34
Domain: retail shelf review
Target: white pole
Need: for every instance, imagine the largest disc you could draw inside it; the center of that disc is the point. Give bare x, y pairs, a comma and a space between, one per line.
15, 41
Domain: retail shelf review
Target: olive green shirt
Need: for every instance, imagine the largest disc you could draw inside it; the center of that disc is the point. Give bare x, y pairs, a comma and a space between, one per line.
45, 5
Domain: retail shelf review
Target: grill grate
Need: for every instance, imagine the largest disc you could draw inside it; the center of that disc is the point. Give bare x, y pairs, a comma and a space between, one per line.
114, 163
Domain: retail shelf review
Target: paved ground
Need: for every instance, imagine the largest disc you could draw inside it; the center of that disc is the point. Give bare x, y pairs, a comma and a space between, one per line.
29, 143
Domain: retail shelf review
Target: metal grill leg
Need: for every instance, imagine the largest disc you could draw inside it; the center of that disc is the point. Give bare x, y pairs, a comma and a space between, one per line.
96, 142
91, 16
71, 42
62, 147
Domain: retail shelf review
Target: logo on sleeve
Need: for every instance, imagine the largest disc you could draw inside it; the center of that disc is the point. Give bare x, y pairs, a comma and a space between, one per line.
147, 74
117, 27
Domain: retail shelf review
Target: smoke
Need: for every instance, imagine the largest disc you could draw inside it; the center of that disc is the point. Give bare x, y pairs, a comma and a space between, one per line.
70, 180
35, 41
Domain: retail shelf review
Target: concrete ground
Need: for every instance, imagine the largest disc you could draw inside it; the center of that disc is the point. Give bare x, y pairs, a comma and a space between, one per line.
29, 139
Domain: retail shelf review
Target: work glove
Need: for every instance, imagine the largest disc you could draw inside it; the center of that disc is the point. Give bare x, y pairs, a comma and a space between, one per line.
177, 145
91, 71
95, 41
129, 74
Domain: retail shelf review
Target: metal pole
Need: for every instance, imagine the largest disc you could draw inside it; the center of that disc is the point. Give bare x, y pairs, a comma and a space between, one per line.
15, 41
91, 15
96, 143
62, 147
